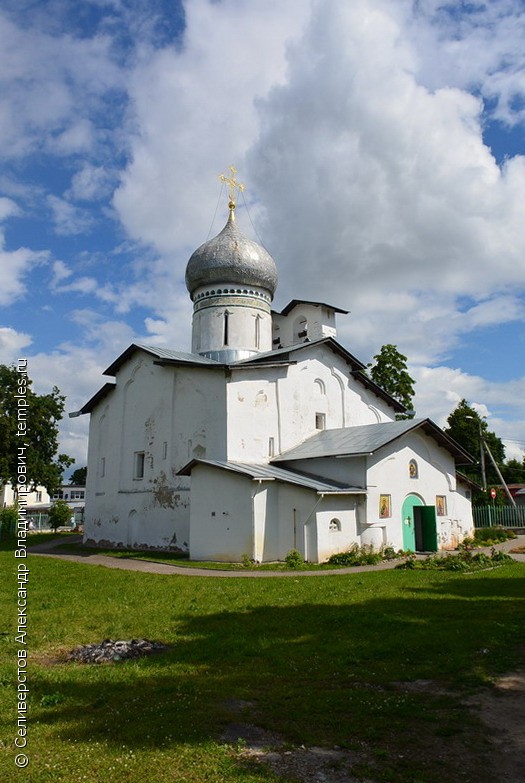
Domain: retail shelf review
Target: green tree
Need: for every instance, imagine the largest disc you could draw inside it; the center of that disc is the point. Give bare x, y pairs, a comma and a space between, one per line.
34, 426
59, 514
8, 521
390, 372
465, 426
78, 477
513, 471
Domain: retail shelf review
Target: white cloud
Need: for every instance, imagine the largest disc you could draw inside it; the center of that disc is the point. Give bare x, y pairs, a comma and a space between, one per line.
50, 85
440, 389
90, 183
67, 218
15, 266
194, 110
12, 344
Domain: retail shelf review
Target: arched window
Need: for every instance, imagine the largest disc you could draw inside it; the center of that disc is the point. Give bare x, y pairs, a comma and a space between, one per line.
257, 331
413, 469
319, 387
226, 328
335, 525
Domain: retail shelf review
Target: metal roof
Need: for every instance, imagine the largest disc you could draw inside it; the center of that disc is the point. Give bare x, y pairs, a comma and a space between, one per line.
263, 472
93, 402
163, 354
295, 302
367, 439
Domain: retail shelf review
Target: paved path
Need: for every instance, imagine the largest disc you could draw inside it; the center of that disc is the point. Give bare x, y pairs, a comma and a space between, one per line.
145, 566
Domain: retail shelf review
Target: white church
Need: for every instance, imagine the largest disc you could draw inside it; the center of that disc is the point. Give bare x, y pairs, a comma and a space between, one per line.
267, 437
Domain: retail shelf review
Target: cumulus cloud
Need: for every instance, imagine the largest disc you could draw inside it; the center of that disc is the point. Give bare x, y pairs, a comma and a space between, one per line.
194, 109
67, 218
359, 129
15, 266
12, 344
50, 85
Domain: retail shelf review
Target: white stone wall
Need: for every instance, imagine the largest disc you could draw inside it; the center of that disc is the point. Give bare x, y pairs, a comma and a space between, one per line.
222, 521
337, 524
388, 474
170, 415
284, 404
249, 326
316, 321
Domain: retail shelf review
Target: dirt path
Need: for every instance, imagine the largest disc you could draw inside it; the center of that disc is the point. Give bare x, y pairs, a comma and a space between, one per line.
145, 566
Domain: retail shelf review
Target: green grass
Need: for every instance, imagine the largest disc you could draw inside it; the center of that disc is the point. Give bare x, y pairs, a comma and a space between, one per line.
318, 660
180, 559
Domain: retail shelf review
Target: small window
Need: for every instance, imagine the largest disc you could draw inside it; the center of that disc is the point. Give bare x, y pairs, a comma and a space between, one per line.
413, 469
38, 497
226, 328
271, 447
164, 449
320, 421
138, 472
102, 467
257, 331
335, 526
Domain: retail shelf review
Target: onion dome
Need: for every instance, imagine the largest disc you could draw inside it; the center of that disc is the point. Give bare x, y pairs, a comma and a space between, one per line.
230, 257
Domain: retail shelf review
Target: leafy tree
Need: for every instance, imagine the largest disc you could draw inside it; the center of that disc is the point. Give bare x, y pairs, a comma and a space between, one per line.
465, 425
390, 372
34, 426
59, 514
8, 521
513, 471
78, 477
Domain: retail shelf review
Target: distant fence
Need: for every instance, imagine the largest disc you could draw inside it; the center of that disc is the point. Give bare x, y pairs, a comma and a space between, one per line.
506, 516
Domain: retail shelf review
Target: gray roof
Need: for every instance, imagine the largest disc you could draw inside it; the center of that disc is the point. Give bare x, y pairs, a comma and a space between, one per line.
367, 439
265, 472
295, 302
163, 354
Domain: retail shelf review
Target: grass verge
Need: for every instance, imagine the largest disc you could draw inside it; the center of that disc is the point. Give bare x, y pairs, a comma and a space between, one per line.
331, 662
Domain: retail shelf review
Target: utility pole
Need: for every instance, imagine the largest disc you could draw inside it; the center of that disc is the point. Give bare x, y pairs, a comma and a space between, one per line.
481, 452
507, 490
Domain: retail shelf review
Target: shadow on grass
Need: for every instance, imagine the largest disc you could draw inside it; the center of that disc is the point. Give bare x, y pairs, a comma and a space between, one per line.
316, 673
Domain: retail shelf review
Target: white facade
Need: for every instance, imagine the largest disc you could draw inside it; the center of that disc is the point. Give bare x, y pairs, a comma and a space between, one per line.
209, 452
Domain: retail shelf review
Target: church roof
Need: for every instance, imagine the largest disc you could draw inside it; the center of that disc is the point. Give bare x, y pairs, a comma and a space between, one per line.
367, 439
94, 400
263, 472
230, 257
295, 302
166, 354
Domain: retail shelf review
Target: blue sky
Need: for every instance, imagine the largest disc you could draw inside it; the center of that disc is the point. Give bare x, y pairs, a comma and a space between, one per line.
382, 143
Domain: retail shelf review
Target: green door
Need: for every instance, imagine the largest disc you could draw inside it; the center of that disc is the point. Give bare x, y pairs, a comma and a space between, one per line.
429, 529
407, 520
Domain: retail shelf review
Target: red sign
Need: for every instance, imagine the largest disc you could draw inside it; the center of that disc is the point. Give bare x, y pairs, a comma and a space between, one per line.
492, 493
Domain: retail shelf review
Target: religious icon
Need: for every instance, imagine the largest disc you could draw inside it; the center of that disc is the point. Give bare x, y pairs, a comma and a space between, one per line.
441, 505
384, 506
413, 471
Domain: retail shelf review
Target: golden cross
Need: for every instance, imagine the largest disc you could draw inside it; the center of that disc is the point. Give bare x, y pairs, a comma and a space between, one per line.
232, 185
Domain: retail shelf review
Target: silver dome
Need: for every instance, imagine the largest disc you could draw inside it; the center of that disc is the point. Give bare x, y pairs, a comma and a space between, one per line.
231, 258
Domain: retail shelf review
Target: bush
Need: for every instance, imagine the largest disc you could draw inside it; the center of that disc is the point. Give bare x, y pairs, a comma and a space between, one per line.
362, 555
59, 514
487, 536
8, 520
463, 561
294, 559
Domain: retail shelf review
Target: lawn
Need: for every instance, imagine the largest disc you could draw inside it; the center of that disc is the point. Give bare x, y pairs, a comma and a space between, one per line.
321, 661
